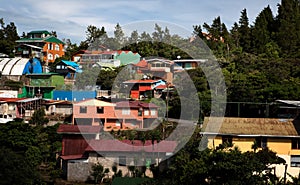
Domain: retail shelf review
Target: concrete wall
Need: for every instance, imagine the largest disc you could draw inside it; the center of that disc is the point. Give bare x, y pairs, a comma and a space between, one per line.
78, 171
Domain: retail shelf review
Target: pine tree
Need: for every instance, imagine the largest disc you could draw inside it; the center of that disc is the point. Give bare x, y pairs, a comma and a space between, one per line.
262, 30
288, 19
244, 31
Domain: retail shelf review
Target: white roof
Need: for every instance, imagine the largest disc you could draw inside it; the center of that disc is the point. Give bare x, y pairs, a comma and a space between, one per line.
3, 62
18, 68
290, 102
13, 66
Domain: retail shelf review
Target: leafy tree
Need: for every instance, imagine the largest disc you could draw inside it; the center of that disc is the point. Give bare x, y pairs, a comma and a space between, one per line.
38, 117
8, 36
98, 172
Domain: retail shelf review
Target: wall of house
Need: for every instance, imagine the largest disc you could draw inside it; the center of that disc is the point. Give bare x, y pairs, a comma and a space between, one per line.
108, 162
92, 113
78, 171
73, 95
282, 146
54, 52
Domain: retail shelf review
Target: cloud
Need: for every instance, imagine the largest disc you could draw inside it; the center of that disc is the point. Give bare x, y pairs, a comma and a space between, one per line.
70, 18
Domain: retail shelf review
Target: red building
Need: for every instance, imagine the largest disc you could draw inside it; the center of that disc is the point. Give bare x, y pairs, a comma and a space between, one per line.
139, 89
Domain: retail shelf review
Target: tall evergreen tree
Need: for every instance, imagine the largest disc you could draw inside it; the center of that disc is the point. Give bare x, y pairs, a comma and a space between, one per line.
262, 30
288, 36
244, 31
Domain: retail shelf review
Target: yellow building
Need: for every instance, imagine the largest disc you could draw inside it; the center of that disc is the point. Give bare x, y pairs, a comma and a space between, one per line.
279, 135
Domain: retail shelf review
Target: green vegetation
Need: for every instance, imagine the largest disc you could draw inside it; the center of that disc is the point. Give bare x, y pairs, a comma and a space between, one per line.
25, 150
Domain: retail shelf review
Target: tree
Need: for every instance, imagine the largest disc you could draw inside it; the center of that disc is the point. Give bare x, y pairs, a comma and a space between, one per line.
38, 117
262, 30
119, 37
244, 31
288, 21
98, 172
8, 36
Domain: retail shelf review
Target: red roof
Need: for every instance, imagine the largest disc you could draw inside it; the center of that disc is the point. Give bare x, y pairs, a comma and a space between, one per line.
51, 102
135, 104
69, 157
141, 81
80, 129
142, 63
127, 146
161, 87
11, 99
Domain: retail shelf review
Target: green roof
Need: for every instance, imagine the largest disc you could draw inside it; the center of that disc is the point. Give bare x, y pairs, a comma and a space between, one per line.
53, 39
47, 39
30, 40
39, 32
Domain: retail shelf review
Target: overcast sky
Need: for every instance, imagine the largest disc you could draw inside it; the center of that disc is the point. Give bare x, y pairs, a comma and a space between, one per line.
69, 18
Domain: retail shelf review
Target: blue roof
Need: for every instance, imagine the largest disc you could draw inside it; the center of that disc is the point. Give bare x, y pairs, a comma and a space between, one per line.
70, 63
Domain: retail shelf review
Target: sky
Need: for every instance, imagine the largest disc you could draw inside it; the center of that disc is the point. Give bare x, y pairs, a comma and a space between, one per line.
70, 18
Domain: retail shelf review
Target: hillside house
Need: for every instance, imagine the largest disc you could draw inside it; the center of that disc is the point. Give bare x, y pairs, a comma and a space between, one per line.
157, 68
279, 135
114, 116
140, 89
106, 58
41, 44
84, 146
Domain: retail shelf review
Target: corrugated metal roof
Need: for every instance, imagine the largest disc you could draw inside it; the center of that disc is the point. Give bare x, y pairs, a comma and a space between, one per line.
135, 104
81, 129
127, 146
290, 102
250, 126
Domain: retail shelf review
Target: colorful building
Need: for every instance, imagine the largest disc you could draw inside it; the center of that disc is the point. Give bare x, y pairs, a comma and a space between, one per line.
41, 44
106, 58
114, 116
279, 135
83, 146
41, 85
157, 68
139, 89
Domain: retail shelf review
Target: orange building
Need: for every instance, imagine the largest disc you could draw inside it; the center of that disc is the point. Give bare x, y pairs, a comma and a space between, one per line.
41, 44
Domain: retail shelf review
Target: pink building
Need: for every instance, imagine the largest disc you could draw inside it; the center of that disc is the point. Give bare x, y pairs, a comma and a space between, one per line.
121, 115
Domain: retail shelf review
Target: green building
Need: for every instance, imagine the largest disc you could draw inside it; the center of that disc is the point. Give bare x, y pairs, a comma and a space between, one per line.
41, 85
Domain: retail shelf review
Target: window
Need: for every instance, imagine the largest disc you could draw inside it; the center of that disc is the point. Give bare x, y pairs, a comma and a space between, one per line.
295, 143
56, 47
153, 112
295, 161
100, 110
50, 46
227, 140
122, 160
58, 67
83, 109
140, 112
50, 56
261, 142
56, 56
146, 112
126, 111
